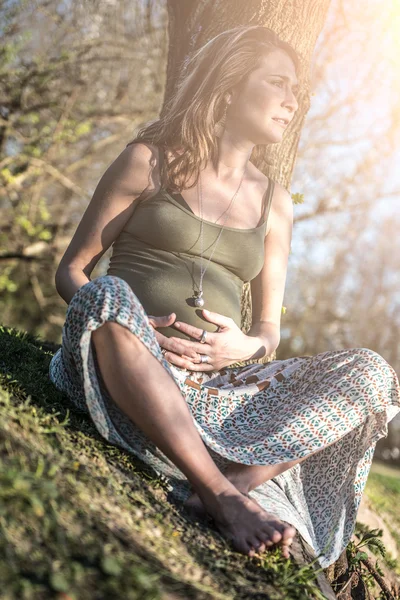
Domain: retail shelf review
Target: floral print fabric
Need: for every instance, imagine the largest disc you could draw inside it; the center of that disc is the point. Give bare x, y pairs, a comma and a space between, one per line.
331, 408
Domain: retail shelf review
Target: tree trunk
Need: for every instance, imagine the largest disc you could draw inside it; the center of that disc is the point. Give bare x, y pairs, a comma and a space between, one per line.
192, 23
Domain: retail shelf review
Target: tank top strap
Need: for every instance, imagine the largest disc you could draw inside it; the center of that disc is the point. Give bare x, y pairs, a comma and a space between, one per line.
267, 200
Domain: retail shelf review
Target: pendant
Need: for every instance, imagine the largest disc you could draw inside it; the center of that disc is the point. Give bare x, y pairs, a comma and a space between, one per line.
199, 301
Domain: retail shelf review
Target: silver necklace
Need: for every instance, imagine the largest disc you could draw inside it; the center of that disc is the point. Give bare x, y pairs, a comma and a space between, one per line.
198, 295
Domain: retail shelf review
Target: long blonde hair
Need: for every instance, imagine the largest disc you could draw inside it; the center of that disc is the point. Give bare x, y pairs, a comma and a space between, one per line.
189, 117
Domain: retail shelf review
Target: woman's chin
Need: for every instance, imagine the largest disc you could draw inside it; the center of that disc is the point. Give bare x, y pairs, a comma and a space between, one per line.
272, 138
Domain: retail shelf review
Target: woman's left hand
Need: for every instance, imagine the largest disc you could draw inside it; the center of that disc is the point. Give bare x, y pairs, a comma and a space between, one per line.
227, 346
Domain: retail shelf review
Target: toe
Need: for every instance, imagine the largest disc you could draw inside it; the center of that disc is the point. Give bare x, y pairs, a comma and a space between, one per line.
256, 544
276, 536
265, 536
267, 542
251, 550
287, 542
271, 533
286, 528
288, 534
243, 546
262, 546
287, 531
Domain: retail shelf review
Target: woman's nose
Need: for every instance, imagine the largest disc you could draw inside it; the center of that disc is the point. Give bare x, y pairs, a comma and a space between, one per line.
291, 101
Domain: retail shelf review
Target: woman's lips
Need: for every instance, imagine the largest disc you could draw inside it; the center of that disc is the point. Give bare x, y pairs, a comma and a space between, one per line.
281, 123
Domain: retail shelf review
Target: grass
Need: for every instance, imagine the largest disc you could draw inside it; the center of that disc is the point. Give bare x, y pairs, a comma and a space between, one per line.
388, 470
383, 492
81, 519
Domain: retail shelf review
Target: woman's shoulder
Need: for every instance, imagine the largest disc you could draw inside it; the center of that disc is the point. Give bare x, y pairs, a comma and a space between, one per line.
148, 157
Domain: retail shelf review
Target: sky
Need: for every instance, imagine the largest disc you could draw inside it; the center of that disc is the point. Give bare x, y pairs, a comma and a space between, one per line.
361, 76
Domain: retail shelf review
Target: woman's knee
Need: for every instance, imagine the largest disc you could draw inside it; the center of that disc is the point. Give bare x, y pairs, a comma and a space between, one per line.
105, 297
102, 300
370, 356
99, 290
375, 367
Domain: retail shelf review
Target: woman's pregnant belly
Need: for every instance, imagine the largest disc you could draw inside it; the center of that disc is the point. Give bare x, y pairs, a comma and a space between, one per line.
164, 284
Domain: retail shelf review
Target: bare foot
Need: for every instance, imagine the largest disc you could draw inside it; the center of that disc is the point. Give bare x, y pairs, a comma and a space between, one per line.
195, 507
244, 522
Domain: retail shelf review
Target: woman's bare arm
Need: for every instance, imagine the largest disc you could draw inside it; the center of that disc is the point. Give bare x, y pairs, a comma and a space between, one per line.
134, 174
267, 289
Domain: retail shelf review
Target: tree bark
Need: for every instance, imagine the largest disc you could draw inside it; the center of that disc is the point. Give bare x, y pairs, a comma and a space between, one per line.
192, 23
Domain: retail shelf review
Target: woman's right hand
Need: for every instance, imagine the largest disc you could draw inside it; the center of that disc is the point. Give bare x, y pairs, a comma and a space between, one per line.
168, 344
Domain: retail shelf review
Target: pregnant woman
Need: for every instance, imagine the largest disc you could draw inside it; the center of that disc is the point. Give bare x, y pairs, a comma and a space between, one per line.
150, 350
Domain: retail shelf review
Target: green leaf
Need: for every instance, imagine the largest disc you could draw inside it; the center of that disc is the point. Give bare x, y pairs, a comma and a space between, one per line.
83, 128
372, 533
7, 175
297, 198
45, 235
110, 566
58, 582
37, 506
378, 544
360, 556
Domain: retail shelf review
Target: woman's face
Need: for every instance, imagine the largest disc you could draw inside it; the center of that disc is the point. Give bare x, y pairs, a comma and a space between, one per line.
269, 93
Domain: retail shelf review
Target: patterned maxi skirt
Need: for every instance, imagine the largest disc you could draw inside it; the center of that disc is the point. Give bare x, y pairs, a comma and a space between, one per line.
333, 407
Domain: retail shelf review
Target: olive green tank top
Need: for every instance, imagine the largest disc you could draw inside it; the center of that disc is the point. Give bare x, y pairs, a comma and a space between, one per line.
158, 254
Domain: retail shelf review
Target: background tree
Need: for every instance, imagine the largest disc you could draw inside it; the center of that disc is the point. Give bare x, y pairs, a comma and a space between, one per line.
76, 79
66, 105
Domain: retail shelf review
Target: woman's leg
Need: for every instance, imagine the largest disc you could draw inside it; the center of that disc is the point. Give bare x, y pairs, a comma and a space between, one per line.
247, 477
143, 389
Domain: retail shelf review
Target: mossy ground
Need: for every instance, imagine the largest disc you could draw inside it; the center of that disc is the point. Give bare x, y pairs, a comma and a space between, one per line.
81, 519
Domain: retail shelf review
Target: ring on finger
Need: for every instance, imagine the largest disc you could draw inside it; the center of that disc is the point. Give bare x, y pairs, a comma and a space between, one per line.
203, 337
163, 351
204, 358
